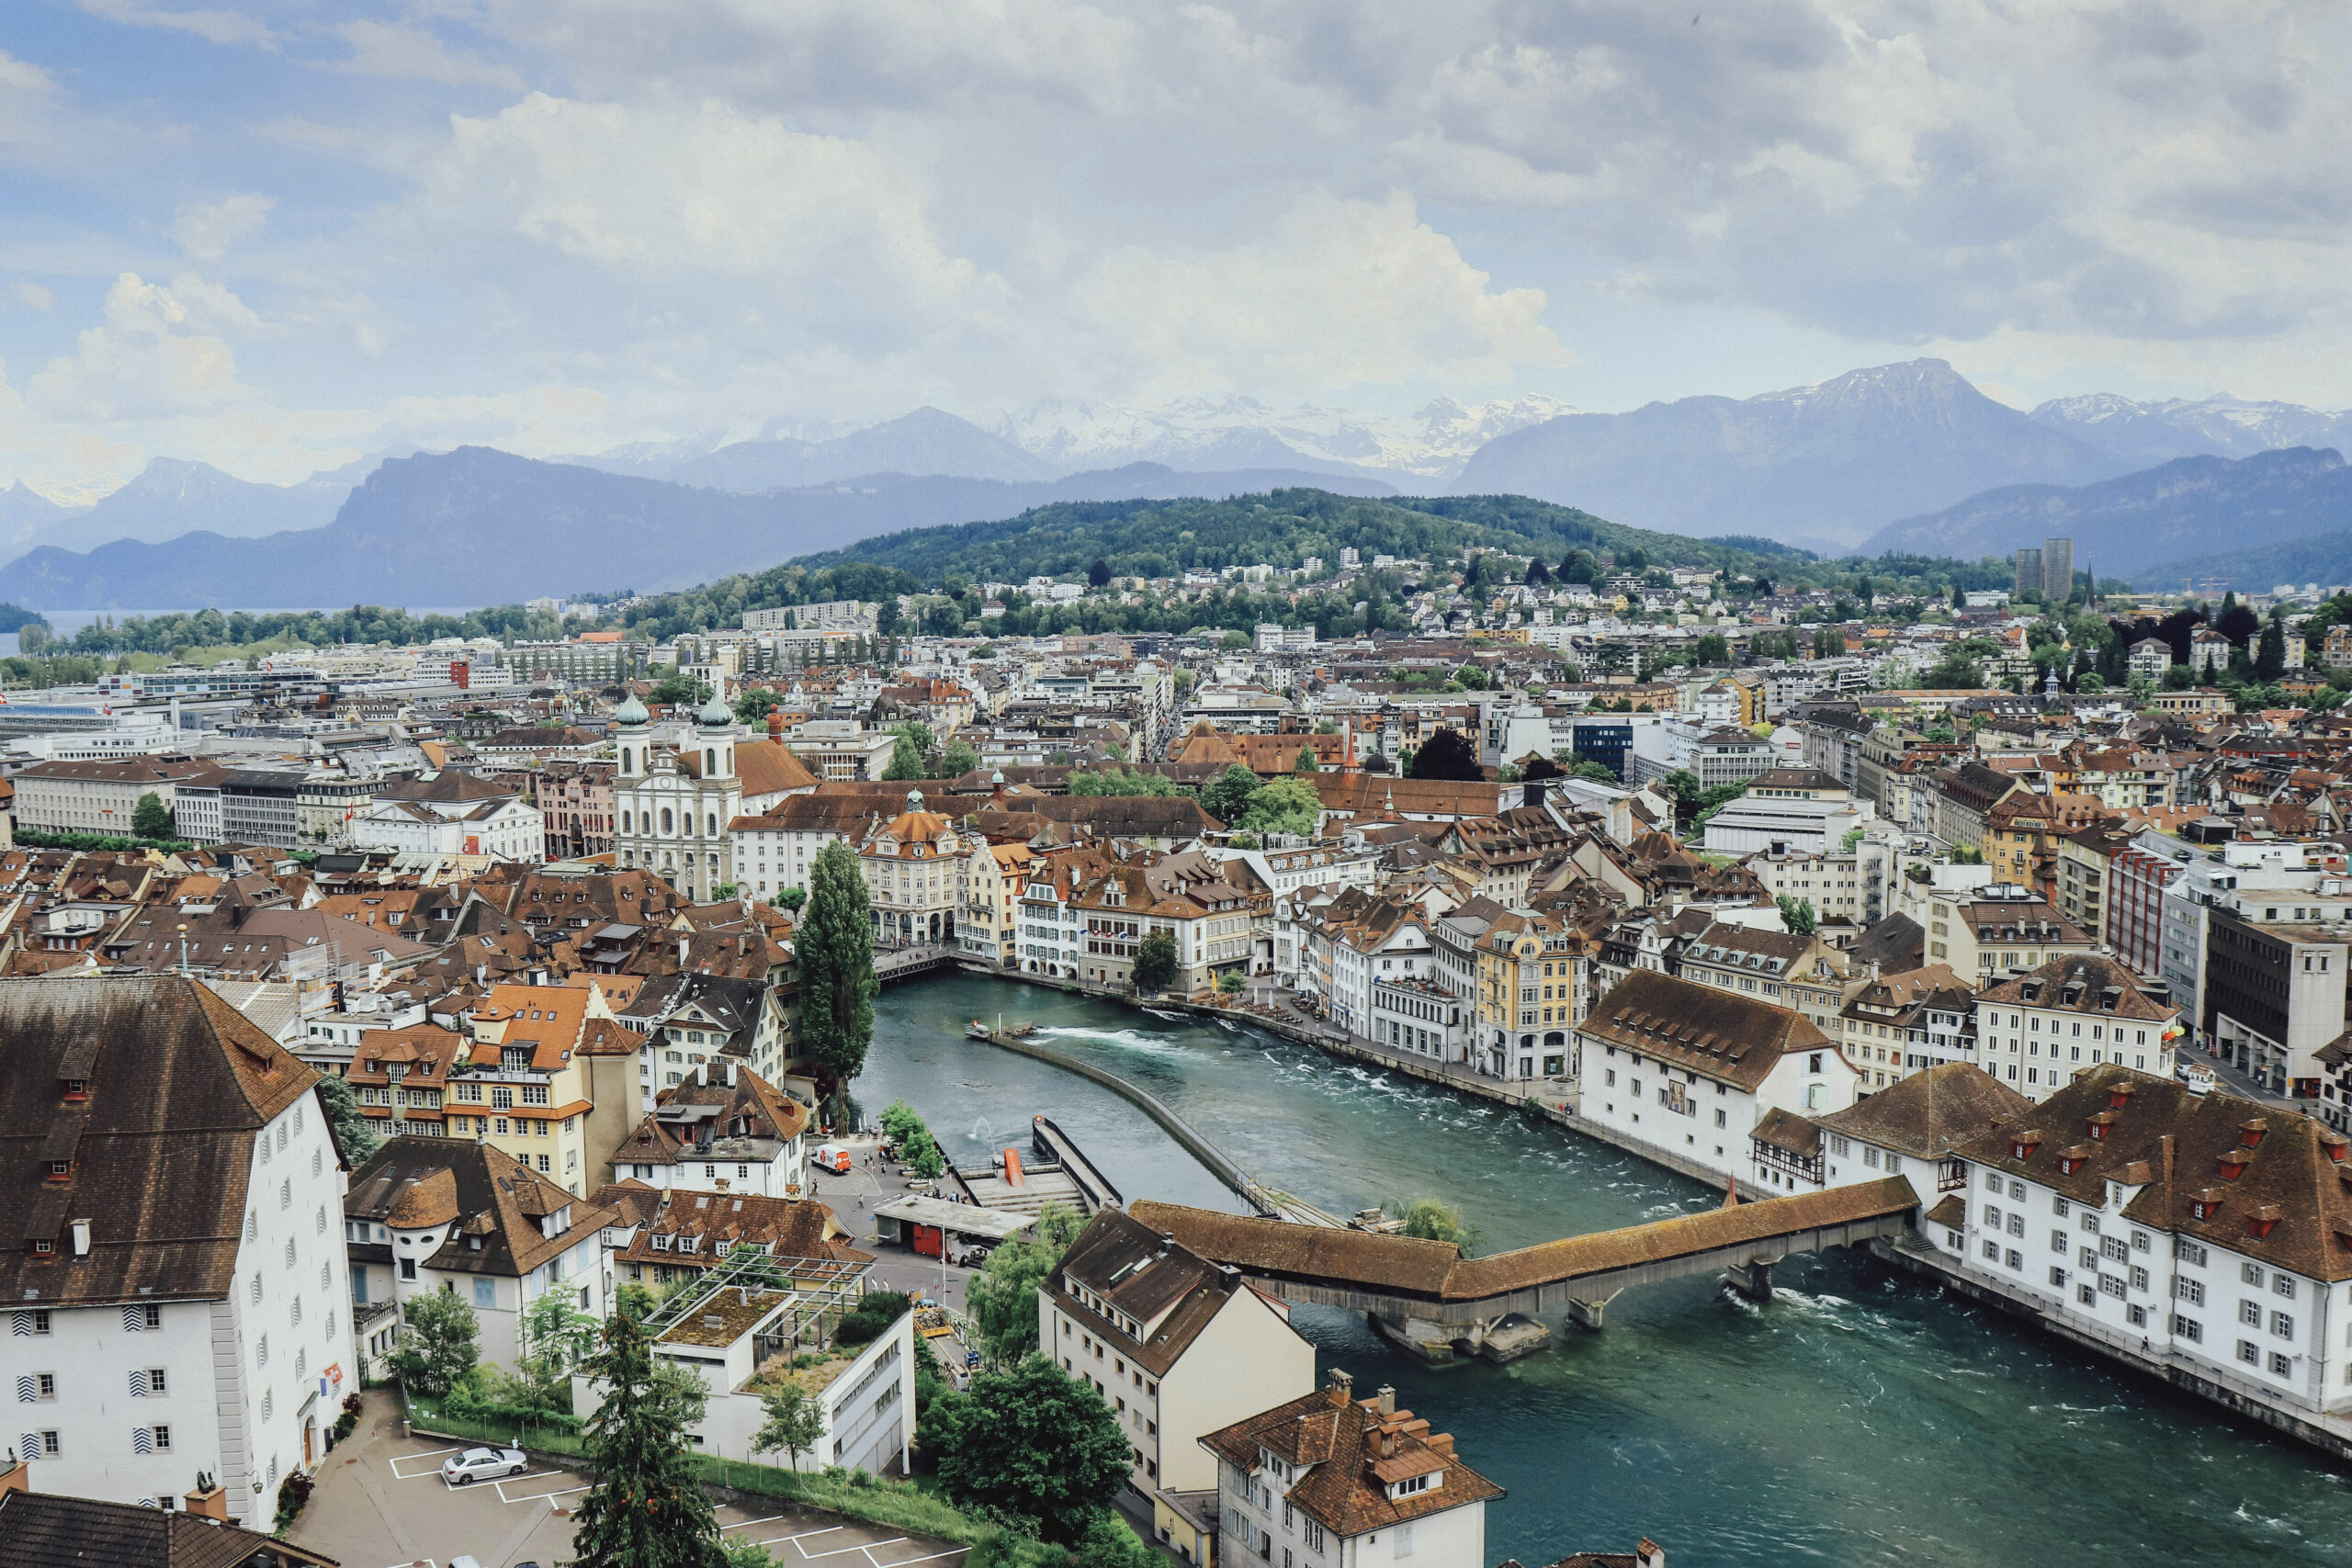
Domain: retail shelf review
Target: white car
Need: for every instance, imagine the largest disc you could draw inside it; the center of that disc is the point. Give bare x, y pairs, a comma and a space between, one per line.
483, 1464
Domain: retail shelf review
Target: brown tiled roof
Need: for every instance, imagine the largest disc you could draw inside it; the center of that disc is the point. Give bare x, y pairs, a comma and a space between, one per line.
1347, 1446
1929, 1113
1786, 1129
40, 1530
1172, 1295
162, 1177
767, 767
1437, 1271
2088, 980
788, 1228
1718, 1034
495, 1199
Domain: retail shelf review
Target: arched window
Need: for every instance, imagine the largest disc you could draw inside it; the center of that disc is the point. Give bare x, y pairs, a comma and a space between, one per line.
714, 824
665, 820
623, 822
709, 763
625, 762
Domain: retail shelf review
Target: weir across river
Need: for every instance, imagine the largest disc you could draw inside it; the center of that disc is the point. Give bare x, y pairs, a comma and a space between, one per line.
1428, 1296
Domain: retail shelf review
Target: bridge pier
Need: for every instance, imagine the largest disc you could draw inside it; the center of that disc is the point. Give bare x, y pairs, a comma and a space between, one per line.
1752, 1278
1589, 1315
1432, 1342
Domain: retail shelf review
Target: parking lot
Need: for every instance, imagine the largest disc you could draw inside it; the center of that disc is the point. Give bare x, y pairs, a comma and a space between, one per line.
381, 1503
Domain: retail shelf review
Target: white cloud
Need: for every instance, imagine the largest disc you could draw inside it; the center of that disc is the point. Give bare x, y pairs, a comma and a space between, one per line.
34, 295
213, 27
152, 357
207, 230
380, 48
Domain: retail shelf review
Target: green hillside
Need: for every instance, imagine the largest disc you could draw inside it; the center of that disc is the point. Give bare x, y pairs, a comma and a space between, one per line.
1283, 529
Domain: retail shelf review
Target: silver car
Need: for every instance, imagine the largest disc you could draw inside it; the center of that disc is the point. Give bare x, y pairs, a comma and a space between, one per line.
483, 1464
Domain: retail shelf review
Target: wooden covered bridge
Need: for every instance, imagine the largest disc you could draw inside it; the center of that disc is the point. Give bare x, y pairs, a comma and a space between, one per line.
1426, 1295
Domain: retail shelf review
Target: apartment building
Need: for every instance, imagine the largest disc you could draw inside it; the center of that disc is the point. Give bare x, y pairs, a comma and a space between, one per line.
178, 1300
2038, 1031
526, 1089
99, 797
1174, 1343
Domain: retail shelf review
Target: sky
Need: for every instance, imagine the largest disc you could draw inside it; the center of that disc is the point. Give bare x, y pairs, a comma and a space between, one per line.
283, 234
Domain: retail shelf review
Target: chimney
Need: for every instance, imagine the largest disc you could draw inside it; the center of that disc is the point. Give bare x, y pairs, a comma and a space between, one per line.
775, 726
1341, 1385
1649, 1554
208, 1500
1386, 1399
81, 1238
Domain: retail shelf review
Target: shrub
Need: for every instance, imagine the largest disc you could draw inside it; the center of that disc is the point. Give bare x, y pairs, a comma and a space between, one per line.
293, 1495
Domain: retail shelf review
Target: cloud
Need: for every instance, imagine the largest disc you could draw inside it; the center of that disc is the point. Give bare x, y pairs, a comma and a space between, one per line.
34, 295
380, 48
213, 27
152, 357
207, 230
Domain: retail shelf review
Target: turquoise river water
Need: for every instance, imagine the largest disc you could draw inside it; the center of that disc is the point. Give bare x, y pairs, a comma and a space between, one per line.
1864, 1417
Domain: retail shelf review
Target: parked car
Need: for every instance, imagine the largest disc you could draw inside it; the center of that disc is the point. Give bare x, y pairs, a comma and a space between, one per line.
483, 1464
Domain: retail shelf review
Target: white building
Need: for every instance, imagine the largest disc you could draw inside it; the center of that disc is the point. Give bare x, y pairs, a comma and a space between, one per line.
178, 1301
99, 797
676, 794
449, 813
1789, 811
1328, 1478
2041, 1031
428, 1214
1176, 1345
2200, 1231
1689, 1071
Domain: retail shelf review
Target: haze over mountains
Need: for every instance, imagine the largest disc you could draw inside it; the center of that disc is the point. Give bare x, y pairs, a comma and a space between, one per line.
1899, 456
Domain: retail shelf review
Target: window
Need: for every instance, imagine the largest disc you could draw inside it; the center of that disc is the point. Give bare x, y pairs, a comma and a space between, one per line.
2282, 1324
2284, 1285
2282, 1366
49, 1446
2190, 1290
2251, 1273
2188, 1252
2249, 1352
154, 1376
163, 1440
2188, 1328
2250, 1313
485, 1292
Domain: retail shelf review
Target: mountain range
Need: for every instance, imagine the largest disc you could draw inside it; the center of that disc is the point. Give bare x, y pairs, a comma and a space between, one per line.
2131, 525
1826, 467
479, 527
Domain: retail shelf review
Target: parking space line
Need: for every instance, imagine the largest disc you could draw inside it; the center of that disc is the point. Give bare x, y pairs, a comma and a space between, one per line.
418, 1476
845, 1551
528, 1475
747, 1524
910, 1561
543, 1497
804, 1535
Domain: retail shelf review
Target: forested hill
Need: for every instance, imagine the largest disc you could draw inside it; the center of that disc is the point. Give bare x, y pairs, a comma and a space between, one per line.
1163, 538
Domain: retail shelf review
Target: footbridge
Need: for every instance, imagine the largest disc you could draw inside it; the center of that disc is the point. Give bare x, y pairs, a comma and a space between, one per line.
1427, 1295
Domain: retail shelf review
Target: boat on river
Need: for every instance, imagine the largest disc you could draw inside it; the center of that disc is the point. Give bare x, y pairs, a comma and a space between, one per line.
975, 1030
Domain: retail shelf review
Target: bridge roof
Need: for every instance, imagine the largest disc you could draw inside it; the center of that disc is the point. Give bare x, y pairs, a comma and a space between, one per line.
1404, 1266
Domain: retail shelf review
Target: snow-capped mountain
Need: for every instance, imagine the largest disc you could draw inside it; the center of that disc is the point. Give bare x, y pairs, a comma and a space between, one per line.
1214, 433
2220, 427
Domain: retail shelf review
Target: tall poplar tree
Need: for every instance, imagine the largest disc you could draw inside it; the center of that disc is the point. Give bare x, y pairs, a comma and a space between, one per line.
646, 1509
835, 949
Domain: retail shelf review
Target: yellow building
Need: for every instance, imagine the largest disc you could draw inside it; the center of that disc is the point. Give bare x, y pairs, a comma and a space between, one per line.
985, 929
526, 1088
1534, 983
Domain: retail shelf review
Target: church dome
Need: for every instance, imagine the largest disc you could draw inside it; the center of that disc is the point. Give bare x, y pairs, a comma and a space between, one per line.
715, 714
631, 712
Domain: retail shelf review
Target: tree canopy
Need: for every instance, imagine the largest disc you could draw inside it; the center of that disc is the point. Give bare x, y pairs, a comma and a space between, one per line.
834, 949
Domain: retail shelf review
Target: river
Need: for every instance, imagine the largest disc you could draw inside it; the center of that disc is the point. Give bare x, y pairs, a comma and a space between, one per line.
1862, 1417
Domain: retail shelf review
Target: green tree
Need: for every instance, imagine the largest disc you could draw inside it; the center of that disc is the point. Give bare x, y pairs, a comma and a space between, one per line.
1031, 1442
920, 1152
956, 760
836, 952
354, 1136
1798, 914
436, 1344
796, 1421
1446, 755
1712, 648
676, 689
790, 899
1599, 772
898, 1120
1002, 1296
647, 1507
1306, 762
151, 819
1287, 804
636, 1298
2270, 659
1227, 795
905, 759
1429, 1219
1109, 1541
557, 1336
1156, 962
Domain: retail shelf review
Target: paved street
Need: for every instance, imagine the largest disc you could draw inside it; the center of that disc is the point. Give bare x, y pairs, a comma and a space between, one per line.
854, 1196
381, 1504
